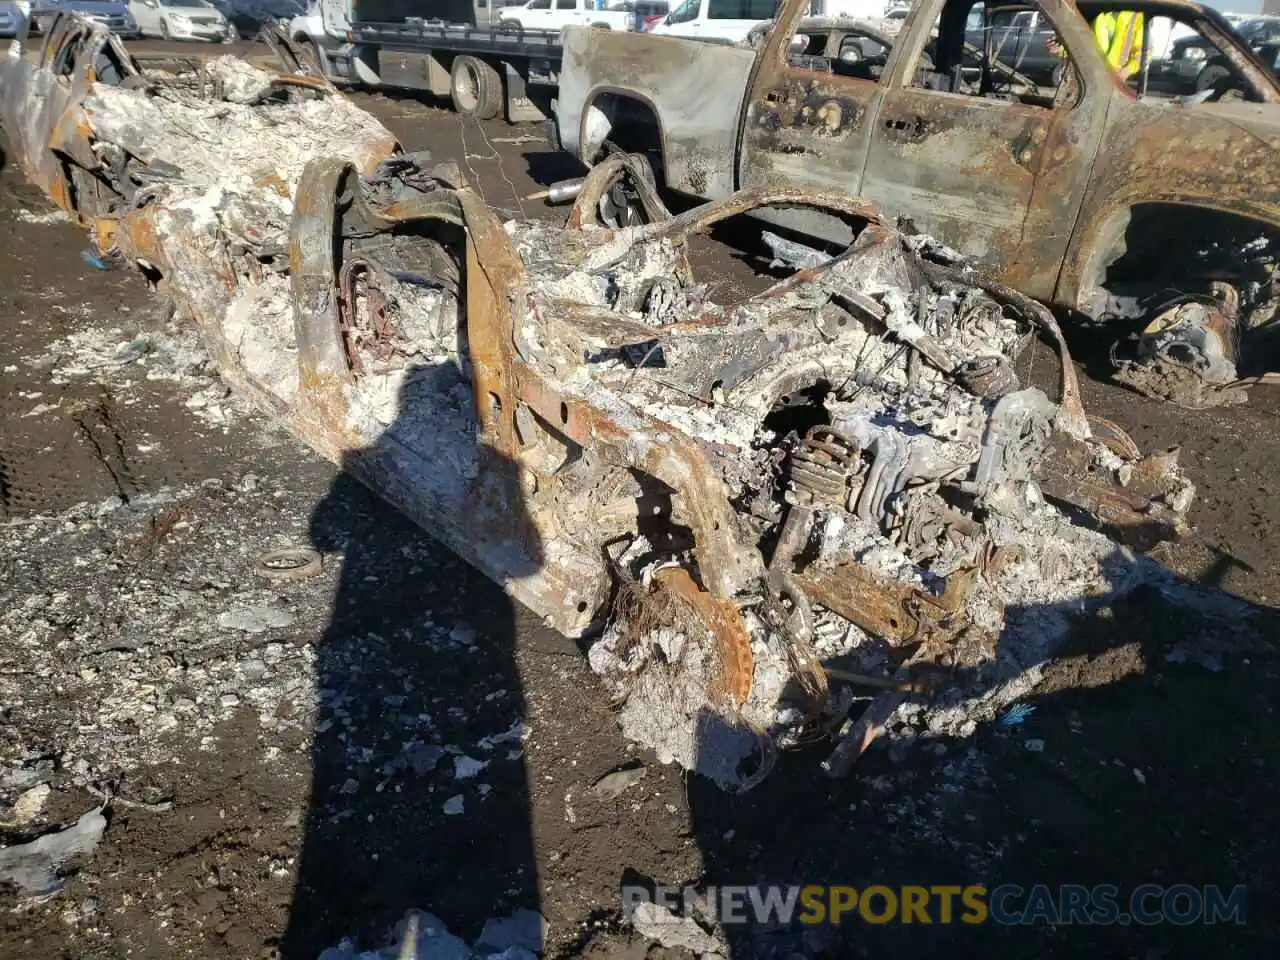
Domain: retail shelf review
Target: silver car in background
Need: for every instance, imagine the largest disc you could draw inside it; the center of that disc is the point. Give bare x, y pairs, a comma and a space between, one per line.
182, 20
10, 19
112, 14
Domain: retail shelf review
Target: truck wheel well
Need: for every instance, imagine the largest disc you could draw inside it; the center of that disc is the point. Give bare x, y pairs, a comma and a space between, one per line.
627, 123
1152, 247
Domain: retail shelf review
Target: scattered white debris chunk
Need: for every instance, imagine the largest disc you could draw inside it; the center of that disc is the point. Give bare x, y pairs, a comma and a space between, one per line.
517, 733
523, 930
34, 866
27, 807
42, 219
657, 923
464, 767
424, 936
612, 785
255, 619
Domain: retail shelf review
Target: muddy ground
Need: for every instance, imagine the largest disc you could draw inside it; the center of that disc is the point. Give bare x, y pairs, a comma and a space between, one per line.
299, 762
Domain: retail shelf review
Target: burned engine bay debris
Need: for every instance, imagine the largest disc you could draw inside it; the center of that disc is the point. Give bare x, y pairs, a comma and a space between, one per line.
756, 511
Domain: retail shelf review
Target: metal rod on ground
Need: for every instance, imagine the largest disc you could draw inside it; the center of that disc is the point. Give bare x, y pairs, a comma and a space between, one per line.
880, 683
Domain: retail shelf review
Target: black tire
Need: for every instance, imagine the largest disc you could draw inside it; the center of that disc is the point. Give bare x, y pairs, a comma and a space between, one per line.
476, 88
164, 29
1211, 76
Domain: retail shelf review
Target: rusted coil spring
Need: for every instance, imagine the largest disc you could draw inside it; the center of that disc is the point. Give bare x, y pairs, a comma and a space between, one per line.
381, 333
821, 465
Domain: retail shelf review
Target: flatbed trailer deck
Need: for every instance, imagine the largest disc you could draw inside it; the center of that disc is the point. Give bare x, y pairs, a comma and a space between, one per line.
486, 70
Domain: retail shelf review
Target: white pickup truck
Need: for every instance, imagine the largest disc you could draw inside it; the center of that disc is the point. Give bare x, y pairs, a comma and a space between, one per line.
558, 14
717, 21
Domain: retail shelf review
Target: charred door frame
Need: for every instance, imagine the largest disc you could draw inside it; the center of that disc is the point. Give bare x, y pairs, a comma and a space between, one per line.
1039, 164
1107, 205
781, 95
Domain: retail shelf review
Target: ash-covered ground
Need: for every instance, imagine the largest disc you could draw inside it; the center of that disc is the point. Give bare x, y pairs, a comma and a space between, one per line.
293, 762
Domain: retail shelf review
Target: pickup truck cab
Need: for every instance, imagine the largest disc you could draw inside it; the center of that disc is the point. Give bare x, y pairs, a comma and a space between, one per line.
1078, 188
718, 21
558, 14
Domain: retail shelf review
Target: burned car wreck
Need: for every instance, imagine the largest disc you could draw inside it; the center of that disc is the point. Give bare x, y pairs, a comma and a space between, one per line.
734, 502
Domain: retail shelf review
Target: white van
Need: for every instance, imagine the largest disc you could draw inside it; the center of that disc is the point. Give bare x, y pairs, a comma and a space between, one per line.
724, 21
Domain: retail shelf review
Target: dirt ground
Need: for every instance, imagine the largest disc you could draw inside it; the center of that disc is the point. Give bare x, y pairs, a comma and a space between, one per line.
290, 758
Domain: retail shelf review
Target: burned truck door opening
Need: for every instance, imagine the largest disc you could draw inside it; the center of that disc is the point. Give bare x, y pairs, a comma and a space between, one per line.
810, 113
987, 159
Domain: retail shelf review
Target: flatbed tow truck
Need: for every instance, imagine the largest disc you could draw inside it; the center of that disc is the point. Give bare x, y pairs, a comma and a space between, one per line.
486, 70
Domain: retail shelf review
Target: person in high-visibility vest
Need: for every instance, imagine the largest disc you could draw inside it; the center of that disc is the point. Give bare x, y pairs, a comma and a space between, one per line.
1119, 37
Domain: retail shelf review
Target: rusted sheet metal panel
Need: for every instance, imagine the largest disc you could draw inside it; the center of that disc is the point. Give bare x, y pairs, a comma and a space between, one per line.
725, 625
1220, 156
695, 91
810, 128
997, 180
1132, 512
899, 613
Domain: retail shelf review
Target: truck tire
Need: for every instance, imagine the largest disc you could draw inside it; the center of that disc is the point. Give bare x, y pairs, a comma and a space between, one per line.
476, 88
1211, 76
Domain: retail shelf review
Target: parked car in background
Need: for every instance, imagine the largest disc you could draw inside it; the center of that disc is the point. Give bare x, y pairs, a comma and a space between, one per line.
1270, 54
1016, 37
308, 26
839, 45
182, 20
722, 21
248, 16
1195, 65
11, 19
115, 15
645, 13
558, 14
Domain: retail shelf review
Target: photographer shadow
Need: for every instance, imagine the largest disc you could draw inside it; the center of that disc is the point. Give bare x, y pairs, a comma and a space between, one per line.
1142, 761
419, 797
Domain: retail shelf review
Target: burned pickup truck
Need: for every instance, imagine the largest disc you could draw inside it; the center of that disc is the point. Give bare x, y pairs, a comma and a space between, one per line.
1087, 192
738, 502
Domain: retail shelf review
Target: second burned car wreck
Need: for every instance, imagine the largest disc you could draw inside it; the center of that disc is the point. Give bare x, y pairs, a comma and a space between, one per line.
730, 499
